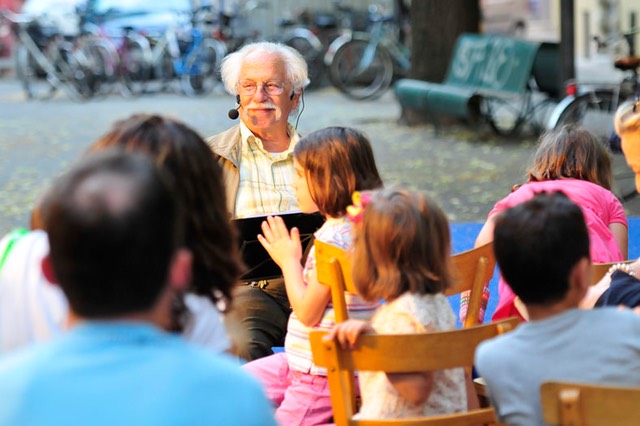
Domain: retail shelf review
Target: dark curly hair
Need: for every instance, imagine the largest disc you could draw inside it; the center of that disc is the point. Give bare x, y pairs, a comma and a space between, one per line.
198, 186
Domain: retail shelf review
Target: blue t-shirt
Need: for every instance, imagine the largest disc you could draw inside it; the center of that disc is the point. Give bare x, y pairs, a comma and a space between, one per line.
125, 373
600, 346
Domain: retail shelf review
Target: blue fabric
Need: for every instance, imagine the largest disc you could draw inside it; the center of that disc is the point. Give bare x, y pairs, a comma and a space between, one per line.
126, 374
624, 290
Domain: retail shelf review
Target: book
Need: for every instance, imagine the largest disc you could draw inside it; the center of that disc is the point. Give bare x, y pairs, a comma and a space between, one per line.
259, 263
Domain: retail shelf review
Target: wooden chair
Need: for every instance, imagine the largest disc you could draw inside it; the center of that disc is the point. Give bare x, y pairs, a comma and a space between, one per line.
472, 269
565, 404
598, 270
400, 354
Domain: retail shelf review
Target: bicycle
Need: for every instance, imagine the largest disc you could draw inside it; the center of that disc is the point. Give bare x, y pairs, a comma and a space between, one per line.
123, 58
307, 44
47, 61
364, 65
190, 55
594, 105
312, 34
202, 57
235, 29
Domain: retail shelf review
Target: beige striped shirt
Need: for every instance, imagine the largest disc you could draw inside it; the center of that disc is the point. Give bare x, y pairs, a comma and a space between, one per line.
266, 179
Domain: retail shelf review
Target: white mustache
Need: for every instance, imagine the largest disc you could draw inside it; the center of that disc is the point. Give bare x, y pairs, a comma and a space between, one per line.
267, 105
263, 105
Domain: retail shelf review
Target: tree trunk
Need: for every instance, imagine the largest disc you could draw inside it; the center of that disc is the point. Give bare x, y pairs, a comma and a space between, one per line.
435, 27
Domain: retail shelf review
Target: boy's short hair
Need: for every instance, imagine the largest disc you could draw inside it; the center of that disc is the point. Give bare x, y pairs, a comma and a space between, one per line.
537, 243
113, 228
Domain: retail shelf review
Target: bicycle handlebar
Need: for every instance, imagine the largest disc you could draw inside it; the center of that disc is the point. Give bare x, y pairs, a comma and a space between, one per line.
603, 42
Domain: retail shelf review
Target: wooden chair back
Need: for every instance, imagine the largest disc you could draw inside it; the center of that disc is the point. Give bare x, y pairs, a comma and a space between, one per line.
565, 404
598, 270
400, 354
472, 270
333, 267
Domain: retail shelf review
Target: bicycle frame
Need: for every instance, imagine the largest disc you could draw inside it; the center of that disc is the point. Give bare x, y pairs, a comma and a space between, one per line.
375, 38
168, 42
196, 41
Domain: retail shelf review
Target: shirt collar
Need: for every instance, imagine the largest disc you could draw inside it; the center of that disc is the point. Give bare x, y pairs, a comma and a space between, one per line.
248, 137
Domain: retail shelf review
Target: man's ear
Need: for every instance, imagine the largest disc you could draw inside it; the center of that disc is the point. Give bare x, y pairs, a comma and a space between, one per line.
580, 278
295, 99
47, 269
180, 270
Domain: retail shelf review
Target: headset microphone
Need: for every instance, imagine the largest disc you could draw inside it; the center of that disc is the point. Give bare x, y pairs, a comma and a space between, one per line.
233, 113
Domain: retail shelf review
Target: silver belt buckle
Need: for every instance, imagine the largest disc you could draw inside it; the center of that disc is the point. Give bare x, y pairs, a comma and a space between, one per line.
261, 284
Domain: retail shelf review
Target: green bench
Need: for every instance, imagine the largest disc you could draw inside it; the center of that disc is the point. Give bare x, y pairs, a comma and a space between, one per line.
491, 78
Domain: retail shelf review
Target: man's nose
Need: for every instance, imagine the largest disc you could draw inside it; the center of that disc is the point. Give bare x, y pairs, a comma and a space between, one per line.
261, 93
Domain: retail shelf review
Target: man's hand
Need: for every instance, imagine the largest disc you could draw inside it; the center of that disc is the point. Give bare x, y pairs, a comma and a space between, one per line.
281, 245
347, 332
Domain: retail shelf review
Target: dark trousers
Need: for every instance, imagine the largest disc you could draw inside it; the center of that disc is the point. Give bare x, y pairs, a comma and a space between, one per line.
258, 318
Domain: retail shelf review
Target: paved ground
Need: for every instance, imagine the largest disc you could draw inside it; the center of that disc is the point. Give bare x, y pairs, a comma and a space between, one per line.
465, 170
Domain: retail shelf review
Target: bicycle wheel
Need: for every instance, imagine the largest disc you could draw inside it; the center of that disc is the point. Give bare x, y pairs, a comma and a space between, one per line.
312, 55
507, 116
593, 111
361, 71
33, 78
101, 59
163, 71
77, 78
199, 76
134, 71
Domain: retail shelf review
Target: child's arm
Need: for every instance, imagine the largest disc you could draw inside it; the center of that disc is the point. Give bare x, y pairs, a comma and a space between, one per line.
486, 233
414, 387
307, 300
621, 234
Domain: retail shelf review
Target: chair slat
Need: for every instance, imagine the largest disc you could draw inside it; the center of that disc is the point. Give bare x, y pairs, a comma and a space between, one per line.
566, 404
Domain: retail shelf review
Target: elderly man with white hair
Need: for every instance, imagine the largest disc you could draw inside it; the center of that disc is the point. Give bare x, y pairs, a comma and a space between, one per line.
268, 80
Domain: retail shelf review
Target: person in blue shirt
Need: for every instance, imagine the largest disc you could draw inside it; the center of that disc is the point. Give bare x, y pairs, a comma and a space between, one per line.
116, 250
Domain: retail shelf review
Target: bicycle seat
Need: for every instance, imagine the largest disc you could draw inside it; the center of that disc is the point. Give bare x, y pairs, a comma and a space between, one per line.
325, 21
627, 63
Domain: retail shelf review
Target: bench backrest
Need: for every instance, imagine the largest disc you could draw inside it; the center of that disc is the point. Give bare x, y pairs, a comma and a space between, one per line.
492, 63
546, 70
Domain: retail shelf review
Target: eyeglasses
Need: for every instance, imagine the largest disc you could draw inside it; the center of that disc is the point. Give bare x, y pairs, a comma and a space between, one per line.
272, 87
